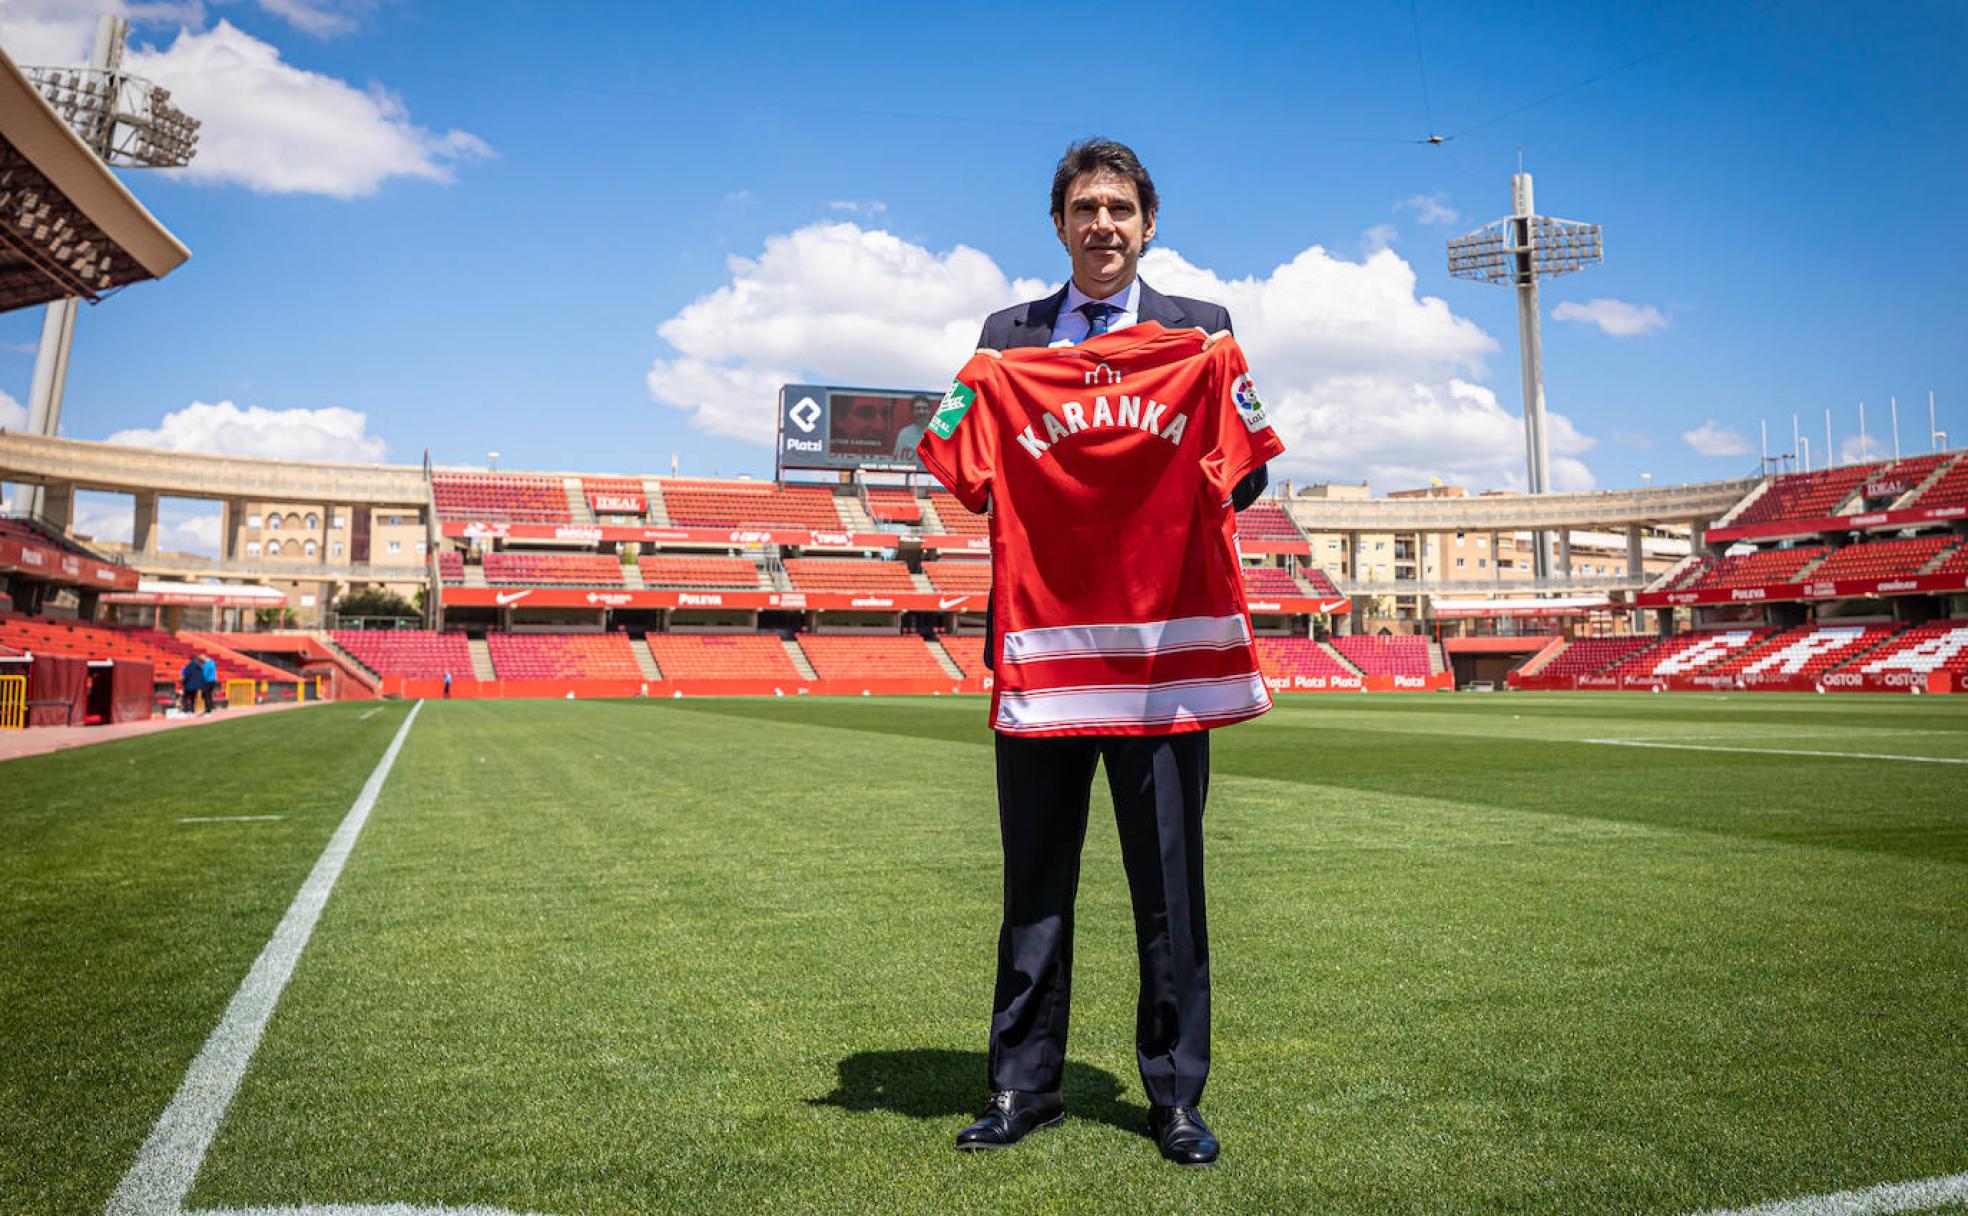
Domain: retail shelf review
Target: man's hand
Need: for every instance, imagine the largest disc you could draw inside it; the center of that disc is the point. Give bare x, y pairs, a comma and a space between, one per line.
997, 354
1212, 339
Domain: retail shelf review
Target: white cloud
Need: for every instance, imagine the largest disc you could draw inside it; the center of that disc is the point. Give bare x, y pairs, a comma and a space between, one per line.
832, 302
331, 433
1378, 237
279, 129
1713, 439
1430, 208
1364, 377
267, 125
322, 18
1615, 317
13, 415
872, 208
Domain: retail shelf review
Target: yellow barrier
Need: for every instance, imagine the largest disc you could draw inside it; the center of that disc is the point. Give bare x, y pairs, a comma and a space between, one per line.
232, 692
13, 702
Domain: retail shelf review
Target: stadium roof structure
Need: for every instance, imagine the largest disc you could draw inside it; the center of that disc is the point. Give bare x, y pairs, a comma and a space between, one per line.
68, 226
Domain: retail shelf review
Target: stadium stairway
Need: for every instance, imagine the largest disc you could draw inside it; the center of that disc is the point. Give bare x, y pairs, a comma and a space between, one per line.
854, 515
932, 523
800, 662
1438, 659
639, 647
1333, 653
1748, 500
1939, 559
361, 669
632, 576
474, 575
659, 512
922, 583
578, 509
943, 658
481, 657
1912, 496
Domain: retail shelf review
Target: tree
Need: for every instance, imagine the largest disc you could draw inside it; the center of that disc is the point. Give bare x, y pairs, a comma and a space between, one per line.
375, 602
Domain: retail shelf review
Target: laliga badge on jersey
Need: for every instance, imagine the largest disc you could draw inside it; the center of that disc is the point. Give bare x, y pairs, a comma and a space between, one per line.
956, 403
1249, 408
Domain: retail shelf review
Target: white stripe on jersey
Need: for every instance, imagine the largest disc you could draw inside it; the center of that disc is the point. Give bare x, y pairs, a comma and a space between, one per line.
1129, 640
1215, 701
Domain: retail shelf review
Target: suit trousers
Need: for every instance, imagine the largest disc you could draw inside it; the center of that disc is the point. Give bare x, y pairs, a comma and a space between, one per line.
1159, 785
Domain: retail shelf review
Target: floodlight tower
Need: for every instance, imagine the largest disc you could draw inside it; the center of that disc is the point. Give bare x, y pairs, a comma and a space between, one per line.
131, 124
1518, 251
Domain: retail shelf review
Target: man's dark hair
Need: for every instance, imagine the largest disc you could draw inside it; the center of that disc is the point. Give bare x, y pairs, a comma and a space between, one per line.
1102, 155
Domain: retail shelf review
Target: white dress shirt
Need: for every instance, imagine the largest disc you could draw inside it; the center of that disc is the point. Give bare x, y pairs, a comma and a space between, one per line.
1071, 326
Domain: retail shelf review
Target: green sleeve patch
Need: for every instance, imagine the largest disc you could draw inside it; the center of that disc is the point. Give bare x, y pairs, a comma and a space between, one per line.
956, 403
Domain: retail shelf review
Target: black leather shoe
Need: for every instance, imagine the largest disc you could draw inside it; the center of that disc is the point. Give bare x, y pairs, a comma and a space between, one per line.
1011, 1115
1183, 1136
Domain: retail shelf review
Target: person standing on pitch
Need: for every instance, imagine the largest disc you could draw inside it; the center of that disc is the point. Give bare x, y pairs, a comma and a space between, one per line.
208, 675
1103, 211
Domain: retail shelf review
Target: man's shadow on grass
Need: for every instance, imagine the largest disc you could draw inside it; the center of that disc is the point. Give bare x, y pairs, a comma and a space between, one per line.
935, 1083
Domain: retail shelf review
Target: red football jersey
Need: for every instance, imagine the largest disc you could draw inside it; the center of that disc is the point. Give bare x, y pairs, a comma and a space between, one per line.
1107, 469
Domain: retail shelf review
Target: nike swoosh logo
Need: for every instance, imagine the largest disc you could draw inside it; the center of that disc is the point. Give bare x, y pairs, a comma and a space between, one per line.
951, 603
511, 597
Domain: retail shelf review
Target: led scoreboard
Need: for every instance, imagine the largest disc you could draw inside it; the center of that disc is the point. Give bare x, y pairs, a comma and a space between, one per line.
831, 427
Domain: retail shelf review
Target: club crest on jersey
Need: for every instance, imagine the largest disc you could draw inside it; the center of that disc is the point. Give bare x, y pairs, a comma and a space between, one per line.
956, 403
1249, 408
1103, 374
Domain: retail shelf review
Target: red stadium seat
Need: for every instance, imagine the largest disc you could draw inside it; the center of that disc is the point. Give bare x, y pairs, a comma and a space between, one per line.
863, 657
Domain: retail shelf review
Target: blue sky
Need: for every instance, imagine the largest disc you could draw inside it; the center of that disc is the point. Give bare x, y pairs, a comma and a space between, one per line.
526, 244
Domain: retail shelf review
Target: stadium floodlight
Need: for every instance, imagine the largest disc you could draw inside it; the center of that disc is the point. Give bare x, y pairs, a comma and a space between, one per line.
1517, 251
128, 122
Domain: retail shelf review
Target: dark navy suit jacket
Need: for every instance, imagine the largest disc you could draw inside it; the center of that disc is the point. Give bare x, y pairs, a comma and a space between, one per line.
1030, 324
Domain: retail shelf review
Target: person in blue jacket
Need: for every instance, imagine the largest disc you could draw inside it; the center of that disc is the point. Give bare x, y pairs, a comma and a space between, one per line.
190, 679
208, 672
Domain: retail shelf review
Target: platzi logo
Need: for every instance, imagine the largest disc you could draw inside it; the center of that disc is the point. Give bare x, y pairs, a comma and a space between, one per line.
1243, 394
1103, 374
956, 403
805, 414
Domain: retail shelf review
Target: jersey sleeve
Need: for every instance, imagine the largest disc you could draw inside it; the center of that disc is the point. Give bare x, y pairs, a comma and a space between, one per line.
959, 447
1240, 436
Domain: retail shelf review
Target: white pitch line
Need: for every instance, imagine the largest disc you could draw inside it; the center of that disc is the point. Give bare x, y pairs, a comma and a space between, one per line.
364, 717
230, 818
1775, 751
1888, 1197
168, 1163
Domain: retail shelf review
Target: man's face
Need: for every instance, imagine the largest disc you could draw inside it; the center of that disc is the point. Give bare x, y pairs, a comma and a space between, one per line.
1103, 230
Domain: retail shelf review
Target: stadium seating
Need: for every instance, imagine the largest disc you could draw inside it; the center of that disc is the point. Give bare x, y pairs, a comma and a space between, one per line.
1752, 569
837, 656
1951, 488
722, 656
1935, 646
750, 505
538, 656
665, 570
1269, 582
451, 566
1955, 562
1882, 558
1807, 650
496, 496
1585, 656
957, 520
1283, 658
967, 649
1381, 654
1689, 653
958, 577
839, 574
627, 487
416, 654
1320, 582
555, 569
1805, 495
891, 504
166, 654
1266, 520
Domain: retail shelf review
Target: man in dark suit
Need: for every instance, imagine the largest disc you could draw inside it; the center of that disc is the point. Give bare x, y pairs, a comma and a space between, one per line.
1103, 210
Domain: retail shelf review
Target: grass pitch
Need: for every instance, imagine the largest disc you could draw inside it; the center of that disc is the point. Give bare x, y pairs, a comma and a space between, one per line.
712, 956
